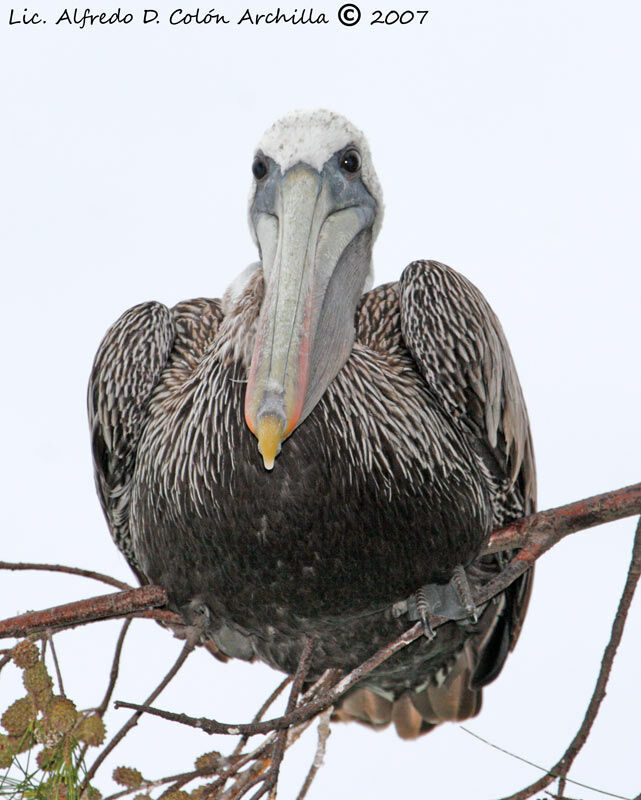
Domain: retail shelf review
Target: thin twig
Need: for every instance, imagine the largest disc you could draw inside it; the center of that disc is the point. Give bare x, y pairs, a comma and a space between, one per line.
83, 573
561, 797
55, 662
256, 755
245, 781
261, 712
5, 660
320, 685
561, 768
319, 757
133, 720
297, 716
115, 668
271, 779
293, 734
113, 677
183, 777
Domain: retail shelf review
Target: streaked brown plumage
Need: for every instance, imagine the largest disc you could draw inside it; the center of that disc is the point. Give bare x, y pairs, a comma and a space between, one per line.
415, 451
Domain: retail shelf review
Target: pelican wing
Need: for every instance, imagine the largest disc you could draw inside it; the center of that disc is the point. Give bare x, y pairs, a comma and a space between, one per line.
460, 350
127, 367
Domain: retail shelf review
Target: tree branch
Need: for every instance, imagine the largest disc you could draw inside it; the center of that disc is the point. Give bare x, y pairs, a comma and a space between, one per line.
319, 757
83, 611
301, 714
541, 534
83, 573
548, 527
534, 534
271, 778
562, 767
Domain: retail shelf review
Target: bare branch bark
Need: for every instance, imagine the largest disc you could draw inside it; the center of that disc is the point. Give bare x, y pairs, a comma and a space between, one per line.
83, 573
301, 714
534, 534
83, 611
562, 767
546, 528
271, 778
55, 661
319, 757
262, 711
115, 668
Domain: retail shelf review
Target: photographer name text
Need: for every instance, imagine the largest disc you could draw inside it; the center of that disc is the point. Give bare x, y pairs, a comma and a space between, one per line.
348, 15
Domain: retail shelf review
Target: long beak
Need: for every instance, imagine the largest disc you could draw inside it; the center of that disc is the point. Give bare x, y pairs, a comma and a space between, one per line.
300, 248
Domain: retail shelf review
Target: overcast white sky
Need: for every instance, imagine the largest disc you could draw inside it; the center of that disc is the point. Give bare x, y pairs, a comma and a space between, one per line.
507, 140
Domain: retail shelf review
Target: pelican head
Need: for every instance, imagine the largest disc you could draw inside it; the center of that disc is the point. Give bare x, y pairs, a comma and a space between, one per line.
315, 209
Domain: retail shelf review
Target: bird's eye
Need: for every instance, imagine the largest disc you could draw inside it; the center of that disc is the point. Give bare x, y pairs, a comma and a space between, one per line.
351, 161
259, 168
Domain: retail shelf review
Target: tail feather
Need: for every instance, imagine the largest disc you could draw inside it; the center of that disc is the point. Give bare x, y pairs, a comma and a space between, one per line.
416, 713
364, 705
408, 721
455, 700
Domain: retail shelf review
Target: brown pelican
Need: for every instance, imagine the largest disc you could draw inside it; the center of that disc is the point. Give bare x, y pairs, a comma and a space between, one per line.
392, 432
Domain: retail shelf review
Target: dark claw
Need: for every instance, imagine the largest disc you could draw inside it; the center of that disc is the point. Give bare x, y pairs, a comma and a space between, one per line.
423, 608
464, 591
419, 608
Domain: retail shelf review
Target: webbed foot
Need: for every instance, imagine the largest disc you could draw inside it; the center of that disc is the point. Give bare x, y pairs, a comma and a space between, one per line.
453, 600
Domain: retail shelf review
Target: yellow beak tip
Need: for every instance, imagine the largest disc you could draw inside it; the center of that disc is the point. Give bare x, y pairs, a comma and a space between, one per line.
269, 432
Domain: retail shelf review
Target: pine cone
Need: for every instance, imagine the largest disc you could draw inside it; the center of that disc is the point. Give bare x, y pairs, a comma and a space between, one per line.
17, 718
25, 654
91, 793
36, 679
56, 790
209, 761
91, 730
11, 746
46, 759
42, 699
20, 744
126, 776
6, 751
61, 714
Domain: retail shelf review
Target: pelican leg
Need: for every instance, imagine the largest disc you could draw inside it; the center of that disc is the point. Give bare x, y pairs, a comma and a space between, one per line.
424, 609
464, 591
453, 600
